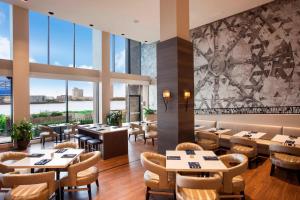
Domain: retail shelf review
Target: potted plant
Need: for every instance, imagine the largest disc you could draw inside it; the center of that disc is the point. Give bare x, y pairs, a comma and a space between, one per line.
114, 118
22, 134
149, 114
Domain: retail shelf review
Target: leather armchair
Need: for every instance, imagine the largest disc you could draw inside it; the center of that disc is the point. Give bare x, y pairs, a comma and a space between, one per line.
156, 177
47, 132
208, 141
233, 182
71, 145
136, 130
11, 156
151, 133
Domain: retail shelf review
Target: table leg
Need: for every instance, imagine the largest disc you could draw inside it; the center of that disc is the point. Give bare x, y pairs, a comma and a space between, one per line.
58, 192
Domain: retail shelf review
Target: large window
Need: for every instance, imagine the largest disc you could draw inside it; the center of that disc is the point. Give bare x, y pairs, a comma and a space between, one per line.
5, 31
5, 108
83, 47
38, 40
118, 102
118, 58
81, 102
59, 101
61, 42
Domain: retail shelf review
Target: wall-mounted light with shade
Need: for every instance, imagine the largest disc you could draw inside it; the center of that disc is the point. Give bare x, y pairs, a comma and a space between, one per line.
187, 96
166, 97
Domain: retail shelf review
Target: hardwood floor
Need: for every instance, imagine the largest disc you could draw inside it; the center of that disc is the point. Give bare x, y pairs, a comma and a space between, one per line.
121, 178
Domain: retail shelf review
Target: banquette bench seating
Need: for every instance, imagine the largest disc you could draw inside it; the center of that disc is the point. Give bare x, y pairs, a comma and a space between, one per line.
262, 143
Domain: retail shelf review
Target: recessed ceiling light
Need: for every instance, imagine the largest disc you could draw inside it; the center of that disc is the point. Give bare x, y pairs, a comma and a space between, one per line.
25, 0
51, 13
136, 21
91, 25
123, 34
146, 41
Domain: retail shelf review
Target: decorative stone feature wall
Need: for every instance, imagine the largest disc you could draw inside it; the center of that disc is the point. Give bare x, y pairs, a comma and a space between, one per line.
250, 62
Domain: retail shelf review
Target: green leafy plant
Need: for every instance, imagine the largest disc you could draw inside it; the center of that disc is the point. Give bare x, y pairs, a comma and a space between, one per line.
2, 122
22, 131
114, 118
148, 111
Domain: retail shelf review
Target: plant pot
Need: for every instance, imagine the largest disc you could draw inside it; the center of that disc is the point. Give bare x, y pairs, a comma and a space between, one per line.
22, 144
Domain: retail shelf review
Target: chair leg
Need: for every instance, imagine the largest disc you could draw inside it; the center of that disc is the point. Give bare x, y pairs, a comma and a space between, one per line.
62, 193
243, 195
145, 140
56, 139
89, 191
147, 193
97, 183
135, 138
272, 170
174, 195
44, 142
153, 141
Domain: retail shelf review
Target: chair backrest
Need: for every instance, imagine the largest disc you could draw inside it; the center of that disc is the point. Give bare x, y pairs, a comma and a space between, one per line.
206, 123
71, 145
91, 159
213, 182
188, 146
10, 156
152, 127
208, 135
236, 164
134, 125
280, 148
291, 131
156, 164
12, 180
243, 141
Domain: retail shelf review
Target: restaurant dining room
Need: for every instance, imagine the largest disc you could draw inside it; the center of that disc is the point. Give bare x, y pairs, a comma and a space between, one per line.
150, 99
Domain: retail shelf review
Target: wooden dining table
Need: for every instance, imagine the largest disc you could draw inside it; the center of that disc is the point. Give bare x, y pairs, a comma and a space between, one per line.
179, 161
58, 161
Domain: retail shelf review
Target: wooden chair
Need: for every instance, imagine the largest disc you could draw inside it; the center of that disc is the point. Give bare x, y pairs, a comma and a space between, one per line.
83, 173
71, 131
195, 187
38, 186
188, 146
156, 177
47, 132
233, 182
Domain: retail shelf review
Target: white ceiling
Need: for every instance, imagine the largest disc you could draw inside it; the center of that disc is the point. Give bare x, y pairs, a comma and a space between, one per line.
117, 16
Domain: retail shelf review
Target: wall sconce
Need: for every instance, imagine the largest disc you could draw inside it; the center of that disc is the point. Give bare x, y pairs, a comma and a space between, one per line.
166, 97
186, 95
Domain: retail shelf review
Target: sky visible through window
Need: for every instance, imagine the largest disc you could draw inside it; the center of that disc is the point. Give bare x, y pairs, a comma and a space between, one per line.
5, 31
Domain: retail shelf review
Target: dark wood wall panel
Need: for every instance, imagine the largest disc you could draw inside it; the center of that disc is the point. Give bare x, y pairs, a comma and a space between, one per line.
175, 73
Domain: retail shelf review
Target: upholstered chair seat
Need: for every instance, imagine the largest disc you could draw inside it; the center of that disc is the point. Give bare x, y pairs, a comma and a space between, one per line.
39, 186
156, 177
208, 141
246, 150
284, 156
198, 188
47, 132
188, 146
233, 182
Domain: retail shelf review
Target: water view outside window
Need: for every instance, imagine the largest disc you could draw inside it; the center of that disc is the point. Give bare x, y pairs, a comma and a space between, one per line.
5, 108
61, 42
5, 33
38, 38
81, 101
50, 101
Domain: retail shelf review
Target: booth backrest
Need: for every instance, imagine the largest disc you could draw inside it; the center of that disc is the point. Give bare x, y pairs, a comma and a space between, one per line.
292, 131
237, 127
206, 123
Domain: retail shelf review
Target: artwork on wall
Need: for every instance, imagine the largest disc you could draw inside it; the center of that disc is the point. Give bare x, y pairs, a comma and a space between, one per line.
249, 62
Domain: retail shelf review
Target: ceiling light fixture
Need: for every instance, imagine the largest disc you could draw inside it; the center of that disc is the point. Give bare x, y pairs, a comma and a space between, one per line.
122, 33
136, 21
51, 13
25, 0
91, 25
146, 41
